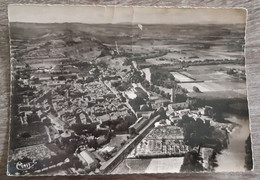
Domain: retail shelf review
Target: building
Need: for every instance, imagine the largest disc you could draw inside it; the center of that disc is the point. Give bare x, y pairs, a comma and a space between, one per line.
206, 111
81, 118
160, 103
183, 112
174, 120
162, 122
138, 125
209, 111
88, 160
25, 108
144, 114
177, 106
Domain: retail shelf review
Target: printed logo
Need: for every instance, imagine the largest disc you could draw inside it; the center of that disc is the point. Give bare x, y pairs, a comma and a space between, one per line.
24, 165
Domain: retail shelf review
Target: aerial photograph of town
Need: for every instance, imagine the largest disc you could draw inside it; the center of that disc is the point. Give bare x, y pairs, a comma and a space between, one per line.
127, 98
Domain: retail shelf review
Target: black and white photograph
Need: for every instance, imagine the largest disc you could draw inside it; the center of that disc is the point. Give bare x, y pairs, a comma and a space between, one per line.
99, 90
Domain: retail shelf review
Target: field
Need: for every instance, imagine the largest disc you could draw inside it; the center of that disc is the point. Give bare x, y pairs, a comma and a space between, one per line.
180, 77
219, 95
212, 72
214, 77
155, 165
214, 86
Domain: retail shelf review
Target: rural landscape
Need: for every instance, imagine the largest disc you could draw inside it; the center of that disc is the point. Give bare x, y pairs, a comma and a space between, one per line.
128, 98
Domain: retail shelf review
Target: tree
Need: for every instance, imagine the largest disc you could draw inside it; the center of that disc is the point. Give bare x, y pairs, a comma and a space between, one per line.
218, 116
152, 87
123, 86
116, 83
136, 102
181, 97
46, 122
213, 163
162, 93
160, 111
61, 78
157, 90
75, 162
168, 96
26, 135
196, 89
196, 133
248, 158
122, 126
123, 143
102, 64
32, 118
27, 66
146, 84
230, 71
141, 93
131, 119
71, 147
93, 143
191, 162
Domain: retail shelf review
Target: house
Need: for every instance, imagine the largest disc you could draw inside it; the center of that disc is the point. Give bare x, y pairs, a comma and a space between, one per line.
88, 159
160, 103
144, 114
108, 149
163, 122
81, 118
183, 112
206, 111
25, 108
138, 125
104, 118
100, 99
209, 111
174, 120
177, 106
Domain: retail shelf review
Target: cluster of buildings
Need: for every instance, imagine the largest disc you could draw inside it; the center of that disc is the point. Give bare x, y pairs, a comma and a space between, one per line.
59, 101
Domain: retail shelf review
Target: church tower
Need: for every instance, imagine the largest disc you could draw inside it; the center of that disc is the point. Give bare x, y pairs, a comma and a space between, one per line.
173, 95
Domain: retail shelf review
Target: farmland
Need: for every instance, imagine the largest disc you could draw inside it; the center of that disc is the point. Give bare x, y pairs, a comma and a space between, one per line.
180, 77
213, 78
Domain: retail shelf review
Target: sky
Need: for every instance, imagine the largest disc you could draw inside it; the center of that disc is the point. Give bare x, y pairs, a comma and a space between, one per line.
119, 14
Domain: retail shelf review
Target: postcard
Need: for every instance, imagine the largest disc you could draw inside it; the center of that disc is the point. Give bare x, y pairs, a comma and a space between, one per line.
98, 90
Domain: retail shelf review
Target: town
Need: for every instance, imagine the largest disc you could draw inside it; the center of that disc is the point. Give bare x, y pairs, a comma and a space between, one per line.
86, 114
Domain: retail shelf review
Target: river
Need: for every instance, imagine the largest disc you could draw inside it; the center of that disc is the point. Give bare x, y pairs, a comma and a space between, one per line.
233, 158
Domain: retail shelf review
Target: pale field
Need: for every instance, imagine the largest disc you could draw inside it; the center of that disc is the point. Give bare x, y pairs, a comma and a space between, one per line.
156, 61
213, 95
154, 165
181, 77
165, 165
215, 78
210, 76
215, 86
